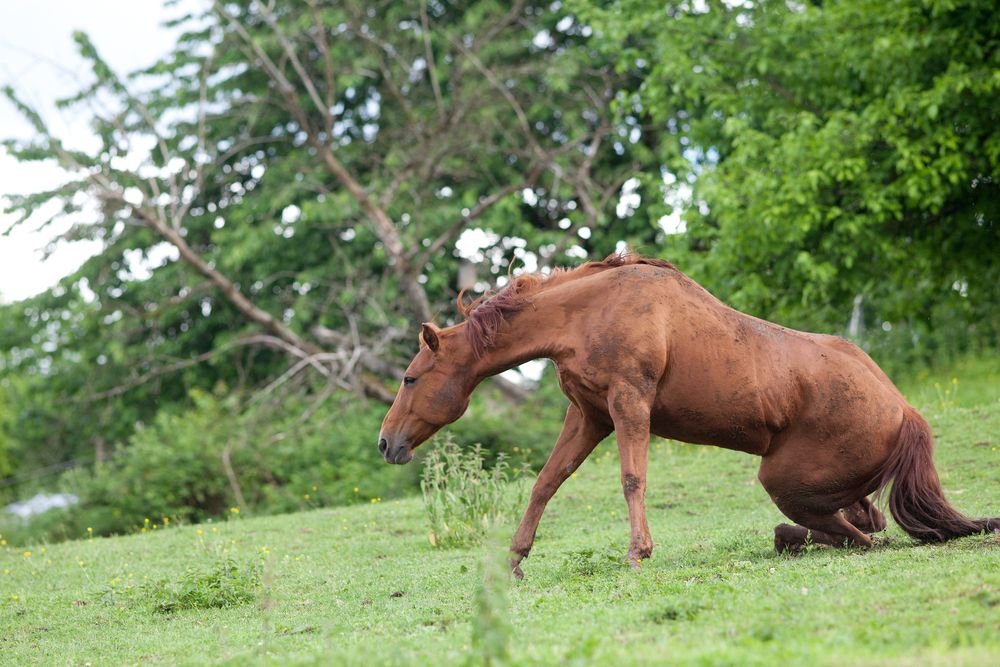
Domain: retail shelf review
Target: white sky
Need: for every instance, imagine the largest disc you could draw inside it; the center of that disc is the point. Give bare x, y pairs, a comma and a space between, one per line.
38, 58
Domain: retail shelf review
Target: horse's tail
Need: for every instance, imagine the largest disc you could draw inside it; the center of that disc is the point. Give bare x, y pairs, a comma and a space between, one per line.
916, 498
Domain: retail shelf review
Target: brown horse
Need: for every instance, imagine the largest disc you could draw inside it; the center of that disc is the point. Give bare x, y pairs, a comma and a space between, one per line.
641, 348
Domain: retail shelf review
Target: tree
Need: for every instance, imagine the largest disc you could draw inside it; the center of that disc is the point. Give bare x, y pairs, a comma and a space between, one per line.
284, 193
833, 150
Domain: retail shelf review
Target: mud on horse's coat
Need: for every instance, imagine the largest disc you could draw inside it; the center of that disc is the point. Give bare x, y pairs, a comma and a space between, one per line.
641, 348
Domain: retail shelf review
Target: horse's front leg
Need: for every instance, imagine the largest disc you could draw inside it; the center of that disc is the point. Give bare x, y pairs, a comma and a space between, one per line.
630, 411
577, 440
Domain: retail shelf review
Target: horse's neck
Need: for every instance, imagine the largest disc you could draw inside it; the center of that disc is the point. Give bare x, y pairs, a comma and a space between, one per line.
529, 334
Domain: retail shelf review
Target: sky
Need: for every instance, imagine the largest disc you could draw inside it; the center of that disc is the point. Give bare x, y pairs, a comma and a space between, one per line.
38, 58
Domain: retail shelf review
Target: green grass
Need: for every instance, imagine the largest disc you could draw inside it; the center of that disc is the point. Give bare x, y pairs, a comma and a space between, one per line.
362, 585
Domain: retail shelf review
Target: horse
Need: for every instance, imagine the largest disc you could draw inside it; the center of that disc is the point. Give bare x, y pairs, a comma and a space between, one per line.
640, 348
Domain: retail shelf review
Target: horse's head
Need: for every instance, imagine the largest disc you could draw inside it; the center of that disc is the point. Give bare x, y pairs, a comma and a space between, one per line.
435, 392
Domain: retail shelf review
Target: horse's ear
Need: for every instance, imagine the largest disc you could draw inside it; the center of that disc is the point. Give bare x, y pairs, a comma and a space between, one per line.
429, 336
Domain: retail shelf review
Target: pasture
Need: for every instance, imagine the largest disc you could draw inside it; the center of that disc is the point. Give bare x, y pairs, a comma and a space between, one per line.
362, 585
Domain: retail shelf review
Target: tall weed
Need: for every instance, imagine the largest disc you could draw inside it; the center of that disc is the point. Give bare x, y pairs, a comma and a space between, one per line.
463, 499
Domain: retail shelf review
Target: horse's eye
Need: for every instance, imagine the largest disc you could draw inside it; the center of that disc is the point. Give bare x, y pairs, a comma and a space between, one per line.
409, 380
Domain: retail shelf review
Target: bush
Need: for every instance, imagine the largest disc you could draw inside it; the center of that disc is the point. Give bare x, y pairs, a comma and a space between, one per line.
463, 499
286, 454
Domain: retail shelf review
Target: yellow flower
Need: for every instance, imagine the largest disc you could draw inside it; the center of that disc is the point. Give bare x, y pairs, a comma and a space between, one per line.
234, 510
166, 521
954, 380
27, 554
214, 529
306, 496
90, 530
314, 488
355, 489
200, 531
146, 520
42, 550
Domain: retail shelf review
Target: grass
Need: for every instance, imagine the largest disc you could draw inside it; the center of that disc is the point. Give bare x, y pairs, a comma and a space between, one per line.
362, 585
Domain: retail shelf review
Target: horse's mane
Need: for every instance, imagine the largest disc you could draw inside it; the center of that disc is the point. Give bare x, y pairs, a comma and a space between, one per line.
485, 315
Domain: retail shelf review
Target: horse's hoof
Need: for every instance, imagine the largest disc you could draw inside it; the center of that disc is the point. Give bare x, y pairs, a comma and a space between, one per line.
516, 571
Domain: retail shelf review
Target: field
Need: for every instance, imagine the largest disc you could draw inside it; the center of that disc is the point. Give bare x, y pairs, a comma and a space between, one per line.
362, 585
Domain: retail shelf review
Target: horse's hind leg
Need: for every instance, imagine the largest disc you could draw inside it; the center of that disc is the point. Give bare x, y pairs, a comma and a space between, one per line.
834, 530
864, 516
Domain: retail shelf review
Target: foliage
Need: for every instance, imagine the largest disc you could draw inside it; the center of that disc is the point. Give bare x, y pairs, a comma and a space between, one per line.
372, 590
199, 464
464, 500
289, 183
830, 151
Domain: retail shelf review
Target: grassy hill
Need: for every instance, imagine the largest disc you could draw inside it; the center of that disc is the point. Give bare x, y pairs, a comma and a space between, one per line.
362, 585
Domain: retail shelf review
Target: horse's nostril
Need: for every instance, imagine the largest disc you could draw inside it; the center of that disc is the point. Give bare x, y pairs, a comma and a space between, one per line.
382, 445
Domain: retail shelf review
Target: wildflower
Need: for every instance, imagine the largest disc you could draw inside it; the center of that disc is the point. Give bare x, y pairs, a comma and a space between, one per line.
6, 570
314, 487
200, 531
14, 597
306, 496
42, 551
90, 531
234, 510
954, 380
27, 554
214, 529
146, 521
265, 549
376, 500
355, 489
166, 521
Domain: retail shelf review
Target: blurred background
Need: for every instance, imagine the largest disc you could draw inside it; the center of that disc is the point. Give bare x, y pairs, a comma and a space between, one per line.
223, 222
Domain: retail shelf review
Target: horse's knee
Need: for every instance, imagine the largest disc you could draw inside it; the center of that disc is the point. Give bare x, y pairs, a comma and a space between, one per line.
631, 484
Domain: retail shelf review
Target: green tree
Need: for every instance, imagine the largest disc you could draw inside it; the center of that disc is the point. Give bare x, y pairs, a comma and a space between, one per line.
833, 149
283, 193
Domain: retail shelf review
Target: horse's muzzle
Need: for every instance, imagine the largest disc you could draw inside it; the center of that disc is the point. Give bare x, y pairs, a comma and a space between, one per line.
398, 453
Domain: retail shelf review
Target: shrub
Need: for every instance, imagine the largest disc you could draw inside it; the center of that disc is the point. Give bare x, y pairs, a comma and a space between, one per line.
463, 499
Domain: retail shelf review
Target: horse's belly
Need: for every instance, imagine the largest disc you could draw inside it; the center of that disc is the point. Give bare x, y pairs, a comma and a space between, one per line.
742, 432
